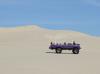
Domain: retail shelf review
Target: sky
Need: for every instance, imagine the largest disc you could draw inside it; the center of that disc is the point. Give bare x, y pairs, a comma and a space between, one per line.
77, 15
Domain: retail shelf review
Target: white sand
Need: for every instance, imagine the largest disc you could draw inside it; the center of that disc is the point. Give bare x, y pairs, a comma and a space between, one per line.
25, 50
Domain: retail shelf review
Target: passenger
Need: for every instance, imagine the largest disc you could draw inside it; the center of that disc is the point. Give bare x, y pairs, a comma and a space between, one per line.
74, 43
51, 43
64, 43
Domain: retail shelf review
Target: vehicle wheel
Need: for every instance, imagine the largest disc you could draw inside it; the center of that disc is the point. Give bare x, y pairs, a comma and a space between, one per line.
58, 50
75, 51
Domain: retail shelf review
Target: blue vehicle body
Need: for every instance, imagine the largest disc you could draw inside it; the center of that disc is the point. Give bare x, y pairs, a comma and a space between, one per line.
70, 46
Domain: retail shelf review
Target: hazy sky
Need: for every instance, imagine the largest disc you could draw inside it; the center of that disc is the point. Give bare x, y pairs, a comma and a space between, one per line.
78, 15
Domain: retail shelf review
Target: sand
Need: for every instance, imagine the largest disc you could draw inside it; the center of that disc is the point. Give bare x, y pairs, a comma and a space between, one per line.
24, 50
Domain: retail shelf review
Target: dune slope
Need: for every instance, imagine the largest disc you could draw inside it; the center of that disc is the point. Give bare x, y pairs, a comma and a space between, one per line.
24, 50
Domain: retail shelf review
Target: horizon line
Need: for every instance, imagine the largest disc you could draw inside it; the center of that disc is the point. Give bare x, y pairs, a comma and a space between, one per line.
38, 26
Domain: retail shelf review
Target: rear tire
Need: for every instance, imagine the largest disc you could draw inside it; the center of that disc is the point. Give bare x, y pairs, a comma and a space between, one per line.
59, 50
75, 51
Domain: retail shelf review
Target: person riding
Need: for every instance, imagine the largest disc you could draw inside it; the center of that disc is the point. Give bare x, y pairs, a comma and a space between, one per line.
74, 43
64, 43
51, 43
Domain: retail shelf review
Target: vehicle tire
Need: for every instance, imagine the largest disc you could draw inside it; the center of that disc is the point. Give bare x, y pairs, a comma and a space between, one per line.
59, 50
75, 51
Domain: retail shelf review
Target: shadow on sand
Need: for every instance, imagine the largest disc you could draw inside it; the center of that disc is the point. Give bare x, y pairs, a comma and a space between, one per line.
57, 53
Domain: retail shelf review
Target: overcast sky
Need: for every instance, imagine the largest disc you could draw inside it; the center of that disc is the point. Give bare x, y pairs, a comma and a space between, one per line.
78, 15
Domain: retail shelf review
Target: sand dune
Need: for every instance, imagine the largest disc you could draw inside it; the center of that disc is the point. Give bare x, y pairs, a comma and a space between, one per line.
24, 50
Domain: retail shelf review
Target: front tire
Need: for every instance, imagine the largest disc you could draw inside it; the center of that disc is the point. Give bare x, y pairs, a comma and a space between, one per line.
75, 51
58, 50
